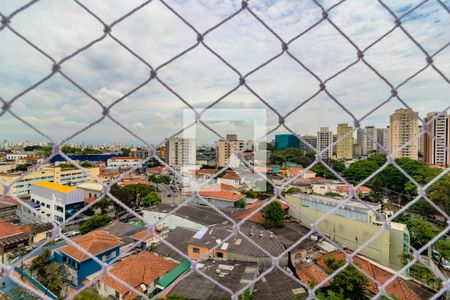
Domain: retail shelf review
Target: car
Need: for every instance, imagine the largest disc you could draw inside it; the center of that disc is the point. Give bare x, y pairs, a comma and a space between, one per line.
169, 195
435, 255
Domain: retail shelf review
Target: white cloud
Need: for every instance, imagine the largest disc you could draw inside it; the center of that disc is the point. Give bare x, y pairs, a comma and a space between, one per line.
108, 71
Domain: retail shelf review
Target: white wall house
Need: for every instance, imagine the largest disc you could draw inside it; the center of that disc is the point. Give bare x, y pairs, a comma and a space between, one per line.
124, 162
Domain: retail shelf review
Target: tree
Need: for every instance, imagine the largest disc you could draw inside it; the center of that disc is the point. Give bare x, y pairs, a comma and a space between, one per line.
151, 198
94, 222
421, 231
87, 294
423, 208
102, 204
443, 246
18, 292
125, 151
86, 164
329, 295
22, 168
55, 273
349, 282
40, 262
273, 215
241, 203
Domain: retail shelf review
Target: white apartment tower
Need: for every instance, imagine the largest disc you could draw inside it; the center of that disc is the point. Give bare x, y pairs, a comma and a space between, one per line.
436, 141
403, 131
180, 152
325, 140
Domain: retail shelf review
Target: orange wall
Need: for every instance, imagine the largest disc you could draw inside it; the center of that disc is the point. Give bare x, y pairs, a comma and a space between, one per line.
203, 251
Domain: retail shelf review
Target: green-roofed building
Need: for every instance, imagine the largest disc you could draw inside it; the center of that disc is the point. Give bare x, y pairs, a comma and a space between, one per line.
171, 276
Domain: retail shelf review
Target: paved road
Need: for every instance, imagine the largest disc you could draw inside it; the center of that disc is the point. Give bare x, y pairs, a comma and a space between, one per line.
165, 190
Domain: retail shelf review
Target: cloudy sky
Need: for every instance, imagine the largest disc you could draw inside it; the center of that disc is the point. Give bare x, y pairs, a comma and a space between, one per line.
156, 34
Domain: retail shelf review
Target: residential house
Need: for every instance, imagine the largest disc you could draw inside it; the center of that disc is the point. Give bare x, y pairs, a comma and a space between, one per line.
99, 243
124, 162
11, 238
140, 271
219, 199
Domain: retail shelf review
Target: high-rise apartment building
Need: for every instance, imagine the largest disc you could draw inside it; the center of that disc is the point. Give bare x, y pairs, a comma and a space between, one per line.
382, 139
436, 140
367, 139
287, 140
403, 131
180, 152
310, 139
325, 140
344, 148
227, 148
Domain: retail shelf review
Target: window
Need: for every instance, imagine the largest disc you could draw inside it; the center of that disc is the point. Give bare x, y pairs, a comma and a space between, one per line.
196, 250
219, 254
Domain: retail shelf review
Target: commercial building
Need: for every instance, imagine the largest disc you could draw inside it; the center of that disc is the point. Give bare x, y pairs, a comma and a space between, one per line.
55, 201
382, 139
352, 225
15, 156
287, 140
403, 132
344, 148
22, 187
436, 143
180, 153
367, 138
226, 149
324, 141
124, 162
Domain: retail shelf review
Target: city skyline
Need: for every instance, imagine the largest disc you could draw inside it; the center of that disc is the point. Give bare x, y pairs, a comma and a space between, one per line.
107, 71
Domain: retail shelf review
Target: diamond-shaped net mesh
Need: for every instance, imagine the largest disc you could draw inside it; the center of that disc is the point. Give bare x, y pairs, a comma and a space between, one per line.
273, 265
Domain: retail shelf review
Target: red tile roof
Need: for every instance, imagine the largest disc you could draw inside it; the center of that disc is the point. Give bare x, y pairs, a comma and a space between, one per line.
231, 175
218, 187
346, 189
259, 216
136, 270
8, 229
311, 275
222, 195
398, 288
94, 242
141, 234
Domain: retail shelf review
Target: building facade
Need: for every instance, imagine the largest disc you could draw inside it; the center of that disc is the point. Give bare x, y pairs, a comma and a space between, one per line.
228, 148
436, 141
22, 187
124, 162
382, 139
310, 139
344, 148
367, 138
287, 140
403, 132
324, 141
180, 152
55, 201
352, 225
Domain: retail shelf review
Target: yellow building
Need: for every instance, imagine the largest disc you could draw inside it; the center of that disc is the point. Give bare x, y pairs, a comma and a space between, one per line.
352, 225
228, 148
344, 148
403, 130
22, 187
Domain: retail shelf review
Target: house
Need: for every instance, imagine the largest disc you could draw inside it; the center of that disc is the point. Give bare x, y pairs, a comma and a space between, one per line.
140, 271
99, 243
233, 275
91, 189
8, 206
278, 285
11, 238
189, 216
258, 217
150, 240
400, 288
230, 178
291, 172
237, 247
177, 238
219, 199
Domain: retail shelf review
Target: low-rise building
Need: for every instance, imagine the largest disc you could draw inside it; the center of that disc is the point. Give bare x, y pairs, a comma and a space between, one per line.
91, 189
99, 243
219, 199
191, 217
140, 271
351, 224
8, 207
21, 187
11, 238
56, 201
124, 162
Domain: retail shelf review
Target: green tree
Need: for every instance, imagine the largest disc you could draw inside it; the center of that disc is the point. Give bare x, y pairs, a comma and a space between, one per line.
86, 164
55, 274
22, 168
150, 199
349, 282
273, 215
443, 246
241, 203
125, 151
40, 262
18, 292
102, 204
87, 294
329, 295
423, 208
421, 231
94, 222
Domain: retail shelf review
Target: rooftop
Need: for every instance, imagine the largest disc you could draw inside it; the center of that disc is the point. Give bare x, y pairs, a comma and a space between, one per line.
94, 242
222, 195
55, 186
277, 285
233, 275
93, 186
199, 214
178, 238
352, 204
139, 271
125, 157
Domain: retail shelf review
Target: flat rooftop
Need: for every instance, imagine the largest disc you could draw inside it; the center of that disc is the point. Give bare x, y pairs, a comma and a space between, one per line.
352, 204
55, 186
